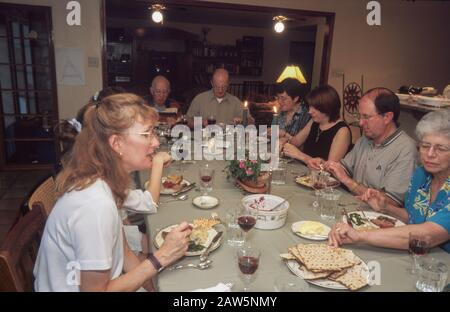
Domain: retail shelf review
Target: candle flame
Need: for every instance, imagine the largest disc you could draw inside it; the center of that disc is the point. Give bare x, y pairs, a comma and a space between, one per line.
245, 104
275, 109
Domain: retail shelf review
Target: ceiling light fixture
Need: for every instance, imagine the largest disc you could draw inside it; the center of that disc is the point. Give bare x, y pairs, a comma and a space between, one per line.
157, 15
279, 25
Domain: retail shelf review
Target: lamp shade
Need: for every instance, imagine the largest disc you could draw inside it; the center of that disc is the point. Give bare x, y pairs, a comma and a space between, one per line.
292, 71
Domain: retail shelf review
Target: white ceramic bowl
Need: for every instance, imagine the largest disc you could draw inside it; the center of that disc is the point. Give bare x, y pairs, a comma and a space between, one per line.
268, 219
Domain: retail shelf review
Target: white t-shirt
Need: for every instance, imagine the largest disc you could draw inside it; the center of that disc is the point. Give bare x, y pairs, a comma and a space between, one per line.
83, 232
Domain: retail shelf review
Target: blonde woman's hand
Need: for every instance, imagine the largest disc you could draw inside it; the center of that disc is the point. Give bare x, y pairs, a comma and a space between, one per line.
375, 199
341, 234
175, 244
162, 158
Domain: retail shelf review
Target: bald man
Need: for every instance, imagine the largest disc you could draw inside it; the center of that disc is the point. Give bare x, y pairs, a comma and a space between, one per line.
217, 102
160, 90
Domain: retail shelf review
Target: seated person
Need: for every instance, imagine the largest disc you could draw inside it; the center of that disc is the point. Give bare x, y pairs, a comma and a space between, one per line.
384, 157
159, 100
294, 115
217, 102
427, 200
326, 136
117, 139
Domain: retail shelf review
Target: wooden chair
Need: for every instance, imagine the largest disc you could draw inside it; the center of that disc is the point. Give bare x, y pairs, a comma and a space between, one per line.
44, 193
19, 250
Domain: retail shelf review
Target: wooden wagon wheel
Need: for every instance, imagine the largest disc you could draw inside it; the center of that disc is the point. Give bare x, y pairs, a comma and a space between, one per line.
352, 94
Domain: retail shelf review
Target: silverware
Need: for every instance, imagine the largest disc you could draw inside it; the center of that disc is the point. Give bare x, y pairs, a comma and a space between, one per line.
349, 221
185, 189
182, 197
276, 206
201, 266
204, 255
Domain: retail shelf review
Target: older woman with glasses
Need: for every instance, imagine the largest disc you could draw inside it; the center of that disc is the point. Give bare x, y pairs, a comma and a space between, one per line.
427, 201
326, 137
82, 247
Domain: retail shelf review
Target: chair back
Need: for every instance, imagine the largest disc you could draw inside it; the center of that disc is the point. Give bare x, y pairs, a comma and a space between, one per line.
44, 193
19, 251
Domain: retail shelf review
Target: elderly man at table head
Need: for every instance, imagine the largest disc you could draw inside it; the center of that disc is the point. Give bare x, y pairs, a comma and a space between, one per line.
159, 91
217, 102
384, 157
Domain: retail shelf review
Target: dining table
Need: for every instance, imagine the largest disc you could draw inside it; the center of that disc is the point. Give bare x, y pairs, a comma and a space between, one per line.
393, 265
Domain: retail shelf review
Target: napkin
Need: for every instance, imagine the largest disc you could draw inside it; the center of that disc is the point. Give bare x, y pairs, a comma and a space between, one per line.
221, 287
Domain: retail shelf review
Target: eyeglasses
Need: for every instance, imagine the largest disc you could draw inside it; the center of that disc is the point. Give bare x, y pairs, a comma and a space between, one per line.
438, 148
149, 135
365, 117
161, 92
220, 87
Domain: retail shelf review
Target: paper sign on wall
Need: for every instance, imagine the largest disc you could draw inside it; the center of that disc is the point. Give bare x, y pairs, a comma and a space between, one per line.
70, 66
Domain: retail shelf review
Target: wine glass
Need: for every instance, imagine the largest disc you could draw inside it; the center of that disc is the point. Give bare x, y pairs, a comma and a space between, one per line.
247, 218
206, 175
211, 120
419, 244
248, 262
182, 153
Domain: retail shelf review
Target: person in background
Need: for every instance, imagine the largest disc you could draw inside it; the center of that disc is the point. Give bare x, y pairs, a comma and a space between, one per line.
85, 228
427, 200
217, 103
159, 100
294, 115
384, 157
327, 136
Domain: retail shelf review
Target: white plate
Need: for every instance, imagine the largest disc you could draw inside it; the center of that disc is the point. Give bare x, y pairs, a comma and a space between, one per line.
323, 282
296, 226
168, 191
446, 92
158, 241
373, 215
205, 202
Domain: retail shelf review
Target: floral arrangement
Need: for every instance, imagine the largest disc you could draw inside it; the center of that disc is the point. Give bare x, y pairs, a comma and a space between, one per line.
244, 169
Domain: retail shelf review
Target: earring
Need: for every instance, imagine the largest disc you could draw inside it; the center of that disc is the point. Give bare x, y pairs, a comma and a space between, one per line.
120, 154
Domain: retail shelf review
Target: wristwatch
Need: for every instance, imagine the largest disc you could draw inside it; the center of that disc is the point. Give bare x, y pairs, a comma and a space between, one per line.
157, 265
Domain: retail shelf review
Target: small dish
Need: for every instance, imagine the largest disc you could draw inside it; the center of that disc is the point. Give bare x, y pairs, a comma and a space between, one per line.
297, 229
205, 202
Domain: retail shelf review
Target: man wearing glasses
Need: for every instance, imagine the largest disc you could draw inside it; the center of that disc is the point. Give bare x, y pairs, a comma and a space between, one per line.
384, 157
159, 91
217, 104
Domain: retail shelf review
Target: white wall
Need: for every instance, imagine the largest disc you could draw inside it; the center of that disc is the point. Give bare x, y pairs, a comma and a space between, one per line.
86, 36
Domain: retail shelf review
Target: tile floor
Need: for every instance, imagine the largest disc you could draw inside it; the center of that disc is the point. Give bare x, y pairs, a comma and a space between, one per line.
14, 187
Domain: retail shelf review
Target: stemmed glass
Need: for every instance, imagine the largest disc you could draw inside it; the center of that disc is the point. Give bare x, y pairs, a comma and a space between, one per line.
248, 262
182, 154
247, 218
206, 175
419, 244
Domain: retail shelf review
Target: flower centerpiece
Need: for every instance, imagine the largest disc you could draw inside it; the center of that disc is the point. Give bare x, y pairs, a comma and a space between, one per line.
247, 174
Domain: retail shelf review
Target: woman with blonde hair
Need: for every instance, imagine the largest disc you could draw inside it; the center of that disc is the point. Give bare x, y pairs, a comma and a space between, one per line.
84, 231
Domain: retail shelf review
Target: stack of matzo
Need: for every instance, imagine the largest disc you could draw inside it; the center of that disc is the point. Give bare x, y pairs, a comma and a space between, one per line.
322, 261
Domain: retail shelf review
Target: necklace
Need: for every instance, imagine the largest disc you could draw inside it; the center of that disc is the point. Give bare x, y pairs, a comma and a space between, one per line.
319, 132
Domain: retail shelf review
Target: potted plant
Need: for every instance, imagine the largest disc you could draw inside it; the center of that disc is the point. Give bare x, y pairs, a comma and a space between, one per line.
247, 174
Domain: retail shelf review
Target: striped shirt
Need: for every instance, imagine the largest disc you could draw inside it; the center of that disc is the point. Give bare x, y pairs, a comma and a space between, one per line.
298, 122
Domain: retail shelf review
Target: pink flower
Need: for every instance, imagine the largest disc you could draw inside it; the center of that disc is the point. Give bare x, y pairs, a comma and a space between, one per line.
253, 161
241, 164
249, 171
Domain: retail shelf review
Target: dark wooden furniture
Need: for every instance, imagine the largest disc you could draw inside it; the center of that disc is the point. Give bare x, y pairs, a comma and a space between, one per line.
19, 250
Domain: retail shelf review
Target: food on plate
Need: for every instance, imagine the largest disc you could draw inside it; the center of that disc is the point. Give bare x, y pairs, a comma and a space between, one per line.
360, 223
200, 233
384, 222
320, 261
312, 228
172, 180
308, 181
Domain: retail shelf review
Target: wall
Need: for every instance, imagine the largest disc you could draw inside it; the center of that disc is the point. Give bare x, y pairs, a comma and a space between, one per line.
86, 36
276, 47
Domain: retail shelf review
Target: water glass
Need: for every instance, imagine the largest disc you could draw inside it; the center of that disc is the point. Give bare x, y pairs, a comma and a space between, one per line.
279, 174
431, 275
329, 200
235, 236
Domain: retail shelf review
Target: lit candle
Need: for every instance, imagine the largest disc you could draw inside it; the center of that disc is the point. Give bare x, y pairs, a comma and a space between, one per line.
275, 116
245, 114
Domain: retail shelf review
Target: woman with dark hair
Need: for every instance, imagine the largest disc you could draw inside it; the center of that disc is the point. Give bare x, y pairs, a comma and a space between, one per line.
326, 136
294, 114
84, 232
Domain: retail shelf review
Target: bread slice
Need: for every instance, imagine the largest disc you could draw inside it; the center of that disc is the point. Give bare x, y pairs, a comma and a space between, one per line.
321, 257
353, 279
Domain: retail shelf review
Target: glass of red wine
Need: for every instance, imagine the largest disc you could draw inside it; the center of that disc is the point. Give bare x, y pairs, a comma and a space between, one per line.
247, 218
248, 262
206, 175
211, 120
419, 244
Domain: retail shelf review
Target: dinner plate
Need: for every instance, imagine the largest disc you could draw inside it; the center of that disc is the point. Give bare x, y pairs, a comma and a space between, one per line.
446, 92
295, 268
169, 191
205, 202
307, 181
159, 240
295, 227
372, 215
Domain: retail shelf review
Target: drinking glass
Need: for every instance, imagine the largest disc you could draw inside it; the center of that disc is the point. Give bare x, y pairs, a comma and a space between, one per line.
419, 244
211, 120
247, 218
248, 262
182, 153
319, 181
206, 175
235, 235
431, 275
329, 200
